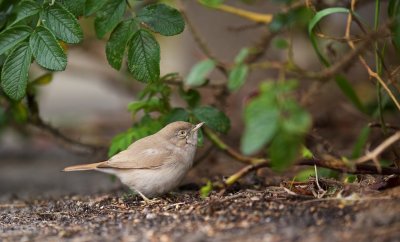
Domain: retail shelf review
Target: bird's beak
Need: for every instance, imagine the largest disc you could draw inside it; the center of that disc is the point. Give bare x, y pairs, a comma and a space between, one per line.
198, 126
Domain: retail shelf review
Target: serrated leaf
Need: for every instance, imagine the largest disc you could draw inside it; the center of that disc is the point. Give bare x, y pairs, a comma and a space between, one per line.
9, 38
153, 104
92, 6
121, 142
199, 72
116, 45
76, 7
144, 57
237, 77
162, 19
109, 16
14, 75
177, 114
191, 96
145, 127
261, 124
46, 50
63, 24
26, 9
213, 118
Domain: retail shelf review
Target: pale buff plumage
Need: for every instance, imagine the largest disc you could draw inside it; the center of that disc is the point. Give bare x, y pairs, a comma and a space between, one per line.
155, 164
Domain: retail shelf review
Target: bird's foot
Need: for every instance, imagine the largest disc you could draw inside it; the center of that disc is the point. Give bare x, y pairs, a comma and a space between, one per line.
146, 200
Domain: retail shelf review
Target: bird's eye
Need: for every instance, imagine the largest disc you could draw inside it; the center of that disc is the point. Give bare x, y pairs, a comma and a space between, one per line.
182, 133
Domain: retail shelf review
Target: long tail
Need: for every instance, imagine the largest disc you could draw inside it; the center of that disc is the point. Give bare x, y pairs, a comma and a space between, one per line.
84, 167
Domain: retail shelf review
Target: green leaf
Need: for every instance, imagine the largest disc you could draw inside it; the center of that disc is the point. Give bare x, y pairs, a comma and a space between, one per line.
305, 174
144, 57
3, 117
199, 72
14, 75
297, 16
116, 45
261, 124
145, 127
306, 153
76, 7
280, 43
241, 57
313, 23
394, 14
19, 112
211, 3
26, 9
177, 114
360, 143
153, 104
284, 149
349, 91
121, 142
92, 6
393, 8
162, 19
206, 189
213, 118
191, 96
237, 77
295, 120
9, 38
350, 178
46, 50
109, 16
200, 138
341, 81
63, 24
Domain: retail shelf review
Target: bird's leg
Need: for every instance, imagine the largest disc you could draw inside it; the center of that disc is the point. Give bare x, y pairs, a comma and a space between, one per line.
146, 200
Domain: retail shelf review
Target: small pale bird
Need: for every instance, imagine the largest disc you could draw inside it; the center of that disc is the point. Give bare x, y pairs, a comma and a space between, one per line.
155, 164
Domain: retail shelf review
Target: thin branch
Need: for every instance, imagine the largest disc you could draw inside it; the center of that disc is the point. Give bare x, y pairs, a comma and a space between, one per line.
371, 73
387, 125
201, 43
340, 167
255, 17
213, 137
74, 145
373, 155
244, 171
326, 74
254, 163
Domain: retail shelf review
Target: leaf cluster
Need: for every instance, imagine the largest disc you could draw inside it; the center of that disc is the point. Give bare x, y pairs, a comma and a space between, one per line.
40, 31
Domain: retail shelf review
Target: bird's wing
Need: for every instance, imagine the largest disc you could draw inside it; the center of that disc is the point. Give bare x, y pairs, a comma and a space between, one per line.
142, 154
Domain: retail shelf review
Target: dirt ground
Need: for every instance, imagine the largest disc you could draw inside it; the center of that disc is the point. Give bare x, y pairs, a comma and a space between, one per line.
265, 214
